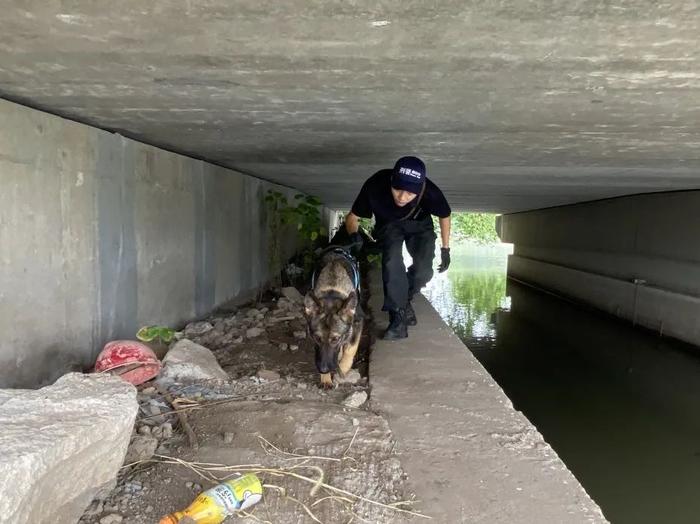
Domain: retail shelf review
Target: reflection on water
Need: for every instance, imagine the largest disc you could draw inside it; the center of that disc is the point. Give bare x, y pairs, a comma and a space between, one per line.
620, 406
470, 293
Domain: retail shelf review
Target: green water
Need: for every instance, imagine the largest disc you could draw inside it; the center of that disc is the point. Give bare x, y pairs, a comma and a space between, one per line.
620, 406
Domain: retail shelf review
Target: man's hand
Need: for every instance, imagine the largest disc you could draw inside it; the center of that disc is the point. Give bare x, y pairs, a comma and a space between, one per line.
444, 259
356, 240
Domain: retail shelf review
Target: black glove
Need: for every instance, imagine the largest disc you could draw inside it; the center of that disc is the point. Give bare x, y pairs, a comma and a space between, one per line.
444, 259
356, 240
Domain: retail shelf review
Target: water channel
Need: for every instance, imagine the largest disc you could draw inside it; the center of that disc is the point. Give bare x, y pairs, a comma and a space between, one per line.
620, 406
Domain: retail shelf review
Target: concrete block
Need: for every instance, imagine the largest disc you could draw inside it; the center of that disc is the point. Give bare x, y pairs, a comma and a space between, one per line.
355, 399
61, 444
190, 361
351, 377
292, 294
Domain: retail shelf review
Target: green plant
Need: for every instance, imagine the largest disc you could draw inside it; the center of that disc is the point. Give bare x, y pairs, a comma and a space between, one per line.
367, 224
306, 215
478, 227
276, 206
374, 260
154, 333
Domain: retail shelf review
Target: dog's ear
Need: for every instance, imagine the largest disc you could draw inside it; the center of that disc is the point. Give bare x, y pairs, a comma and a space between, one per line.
349, 306
311, 305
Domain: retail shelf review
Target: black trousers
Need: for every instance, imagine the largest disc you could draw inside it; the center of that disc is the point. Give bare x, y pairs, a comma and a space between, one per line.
401, 284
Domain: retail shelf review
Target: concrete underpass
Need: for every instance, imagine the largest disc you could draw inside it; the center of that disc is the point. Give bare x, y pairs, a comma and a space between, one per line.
137, 143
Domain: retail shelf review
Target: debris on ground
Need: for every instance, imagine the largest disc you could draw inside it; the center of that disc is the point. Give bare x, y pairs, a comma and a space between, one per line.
142, 446
131, 360
351, 377
263, 413
355, 399
223, 500
189, 361
197, 329
268, 375
292, 294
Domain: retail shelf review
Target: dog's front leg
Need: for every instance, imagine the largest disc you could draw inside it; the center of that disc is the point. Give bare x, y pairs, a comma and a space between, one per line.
349, 354
326, 381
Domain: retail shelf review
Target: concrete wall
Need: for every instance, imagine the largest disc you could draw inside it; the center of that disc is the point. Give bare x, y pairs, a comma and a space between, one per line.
100, 235
635, 257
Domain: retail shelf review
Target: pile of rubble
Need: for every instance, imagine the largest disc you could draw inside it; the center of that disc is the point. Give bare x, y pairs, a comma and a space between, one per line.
254, 353
225, 331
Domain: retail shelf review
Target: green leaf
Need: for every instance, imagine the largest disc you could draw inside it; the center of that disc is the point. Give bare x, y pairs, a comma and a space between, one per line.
151, 333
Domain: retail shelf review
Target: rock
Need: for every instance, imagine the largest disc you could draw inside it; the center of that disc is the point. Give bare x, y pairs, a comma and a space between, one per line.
190, 361
252, 313
283, 346
268, 375
292, 294
197, 329
149, 390
142, 447
293, 347
300, 334
144, 430
112, 518
228, 437
283, 304
355, 399
149, 509
96, 508
253, 332
133, 486
302, 385
81, 423
351, 377
166, 430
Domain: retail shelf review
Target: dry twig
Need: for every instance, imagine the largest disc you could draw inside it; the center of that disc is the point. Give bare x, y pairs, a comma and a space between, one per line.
182, 417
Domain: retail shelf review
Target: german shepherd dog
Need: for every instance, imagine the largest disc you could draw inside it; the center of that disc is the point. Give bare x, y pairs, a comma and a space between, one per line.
333, 314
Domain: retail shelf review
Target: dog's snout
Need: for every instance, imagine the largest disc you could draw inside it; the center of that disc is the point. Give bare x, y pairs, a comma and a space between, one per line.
324, 369
326, 360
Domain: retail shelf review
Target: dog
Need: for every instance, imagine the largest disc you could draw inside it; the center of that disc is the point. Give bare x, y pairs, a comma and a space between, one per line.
333, 314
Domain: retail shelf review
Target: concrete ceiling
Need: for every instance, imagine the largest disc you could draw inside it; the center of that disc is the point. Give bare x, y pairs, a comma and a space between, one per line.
513, 104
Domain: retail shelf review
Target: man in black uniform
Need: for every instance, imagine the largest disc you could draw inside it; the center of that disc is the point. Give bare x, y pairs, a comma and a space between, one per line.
402, 200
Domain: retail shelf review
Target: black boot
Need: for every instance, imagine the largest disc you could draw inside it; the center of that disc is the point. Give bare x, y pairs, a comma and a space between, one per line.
397, 325
410, 315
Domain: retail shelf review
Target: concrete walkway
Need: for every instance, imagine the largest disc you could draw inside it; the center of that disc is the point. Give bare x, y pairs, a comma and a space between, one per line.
470, 457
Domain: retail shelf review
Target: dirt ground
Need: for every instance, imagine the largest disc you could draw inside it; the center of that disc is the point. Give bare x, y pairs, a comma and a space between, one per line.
271, 416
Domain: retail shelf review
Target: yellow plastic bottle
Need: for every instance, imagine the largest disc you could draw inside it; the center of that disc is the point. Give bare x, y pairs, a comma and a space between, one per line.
214, 505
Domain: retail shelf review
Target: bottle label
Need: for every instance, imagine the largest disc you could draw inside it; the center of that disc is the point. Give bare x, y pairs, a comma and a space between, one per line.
225, 497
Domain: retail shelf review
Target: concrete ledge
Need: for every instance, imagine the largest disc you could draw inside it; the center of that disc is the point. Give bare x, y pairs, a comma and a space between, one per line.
666, 312
469, 455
